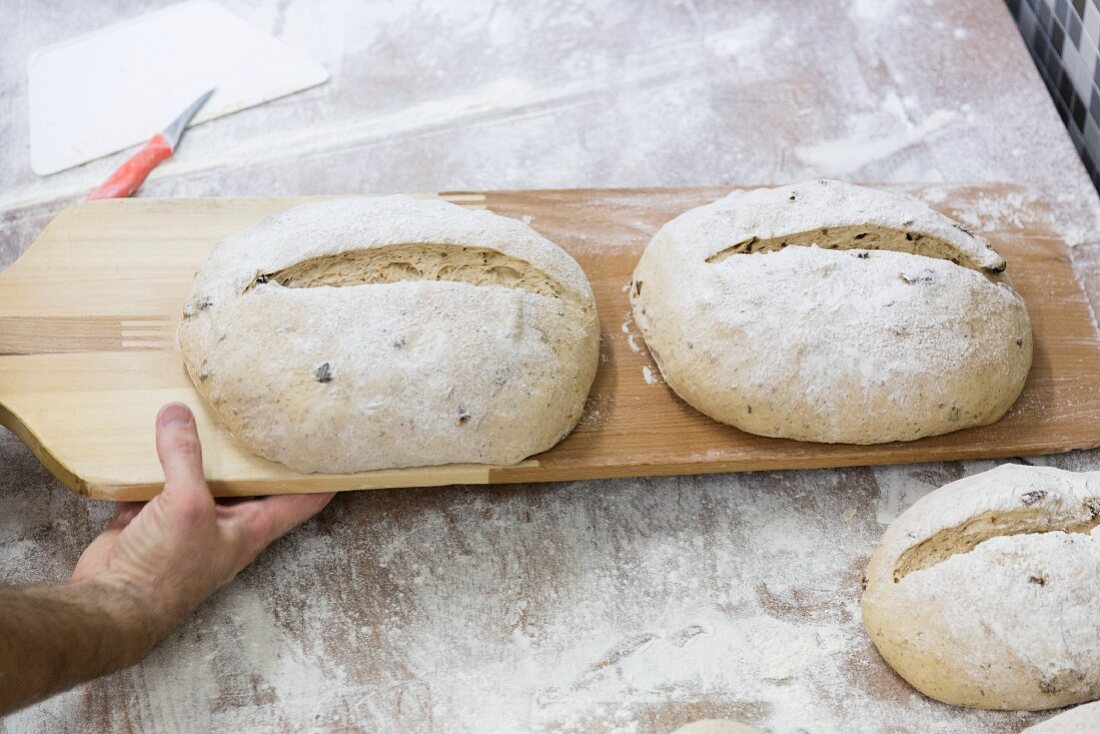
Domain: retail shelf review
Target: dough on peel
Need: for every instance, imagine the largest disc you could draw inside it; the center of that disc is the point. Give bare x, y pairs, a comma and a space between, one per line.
375, 333
828, 312
986, 592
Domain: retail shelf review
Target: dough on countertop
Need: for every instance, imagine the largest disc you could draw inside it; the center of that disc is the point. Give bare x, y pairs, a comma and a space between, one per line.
823, 311
374, 333
986, 592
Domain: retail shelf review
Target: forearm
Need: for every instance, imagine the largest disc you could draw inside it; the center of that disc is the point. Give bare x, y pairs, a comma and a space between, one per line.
54, 637
140, 577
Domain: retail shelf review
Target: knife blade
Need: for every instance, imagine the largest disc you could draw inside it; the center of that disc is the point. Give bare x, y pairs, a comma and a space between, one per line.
130, 175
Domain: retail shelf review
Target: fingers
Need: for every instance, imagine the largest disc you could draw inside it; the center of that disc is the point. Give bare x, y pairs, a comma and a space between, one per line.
124, 513
179, 450
96, 556
253, 524
264, 520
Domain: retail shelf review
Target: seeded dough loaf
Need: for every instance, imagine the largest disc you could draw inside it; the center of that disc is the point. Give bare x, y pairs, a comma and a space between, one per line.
828, 312
986, 592
374, 333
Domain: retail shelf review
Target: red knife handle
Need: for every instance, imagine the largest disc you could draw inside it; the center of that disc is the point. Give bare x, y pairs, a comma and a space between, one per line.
125, 180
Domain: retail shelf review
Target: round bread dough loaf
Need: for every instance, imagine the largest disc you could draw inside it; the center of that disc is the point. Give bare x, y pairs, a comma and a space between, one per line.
828, 312
986, 592
715, 726
1078, 720
374, 333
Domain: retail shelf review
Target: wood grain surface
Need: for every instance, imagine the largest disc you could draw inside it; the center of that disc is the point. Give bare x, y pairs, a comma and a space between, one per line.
87, 353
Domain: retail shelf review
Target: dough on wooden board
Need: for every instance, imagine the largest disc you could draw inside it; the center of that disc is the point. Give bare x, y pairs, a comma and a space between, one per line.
986, 592
375, 333
1078, 720
823, 311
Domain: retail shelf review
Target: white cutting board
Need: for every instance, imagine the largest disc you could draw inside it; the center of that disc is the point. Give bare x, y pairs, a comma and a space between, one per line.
99, 93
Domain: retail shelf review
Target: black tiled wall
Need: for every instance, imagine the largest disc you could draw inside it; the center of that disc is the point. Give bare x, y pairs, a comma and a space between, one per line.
1064, 37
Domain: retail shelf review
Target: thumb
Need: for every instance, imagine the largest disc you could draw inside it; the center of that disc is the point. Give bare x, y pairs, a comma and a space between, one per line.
178, 448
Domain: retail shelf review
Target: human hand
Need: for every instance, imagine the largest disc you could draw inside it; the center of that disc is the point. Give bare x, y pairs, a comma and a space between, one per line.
171, 553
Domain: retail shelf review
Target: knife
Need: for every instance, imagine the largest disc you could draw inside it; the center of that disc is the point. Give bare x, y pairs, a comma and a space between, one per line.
127, 177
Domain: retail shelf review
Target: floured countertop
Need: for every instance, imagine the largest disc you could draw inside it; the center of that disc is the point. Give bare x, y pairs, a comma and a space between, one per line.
614, 606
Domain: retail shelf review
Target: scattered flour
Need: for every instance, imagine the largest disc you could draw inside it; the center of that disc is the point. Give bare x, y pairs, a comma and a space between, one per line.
739, 43
632, 336
874, 11
906, 486
647, 373
873, 137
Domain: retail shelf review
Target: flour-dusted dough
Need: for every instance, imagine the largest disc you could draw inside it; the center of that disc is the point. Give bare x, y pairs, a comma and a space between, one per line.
823, 311
1078, 720
986, 592
386, 332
